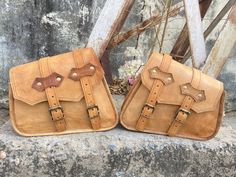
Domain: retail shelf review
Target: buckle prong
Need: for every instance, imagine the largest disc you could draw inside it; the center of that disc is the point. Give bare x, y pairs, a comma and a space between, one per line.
149, 107
184, 111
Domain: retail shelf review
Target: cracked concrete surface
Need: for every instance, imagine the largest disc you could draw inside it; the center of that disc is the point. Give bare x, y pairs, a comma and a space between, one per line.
32, 29
118, 153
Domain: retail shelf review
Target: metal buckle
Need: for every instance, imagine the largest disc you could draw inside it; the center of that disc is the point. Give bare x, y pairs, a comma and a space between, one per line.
149, 107
55, 108
184, 111
93, 107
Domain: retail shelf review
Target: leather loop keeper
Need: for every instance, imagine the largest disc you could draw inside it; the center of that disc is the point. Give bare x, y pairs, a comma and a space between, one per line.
55, 109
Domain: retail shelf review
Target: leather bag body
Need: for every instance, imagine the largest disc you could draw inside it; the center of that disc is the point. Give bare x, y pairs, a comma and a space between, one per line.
62, 94
172, 99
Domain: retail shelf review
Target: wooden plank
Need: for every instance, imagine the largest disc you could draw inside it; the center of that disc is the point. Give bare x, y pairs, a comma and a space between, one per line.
223, 46
182, 43
220, 15
109, 20
213, 24
197, 43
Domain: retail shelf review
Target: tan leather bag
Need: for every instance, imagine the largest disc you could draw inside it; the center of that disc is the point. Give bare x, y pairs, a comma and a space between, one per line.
62, 94
173, 99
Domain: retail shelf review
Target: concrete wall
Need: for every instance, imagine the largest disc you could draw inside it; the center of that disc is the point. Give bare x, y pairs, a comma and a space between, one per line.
31, 29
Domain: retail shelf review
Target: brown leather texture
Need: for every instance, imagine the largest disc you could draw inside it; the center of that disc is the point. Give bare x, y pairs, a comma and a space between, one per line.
40, 83
172, 99
77, 73
82, 104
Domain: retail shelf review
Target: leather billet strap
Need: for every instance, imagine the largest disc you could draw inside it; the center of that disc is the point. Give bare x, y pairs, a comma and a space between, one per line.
164, 79
55, 108
92, 108
192, 95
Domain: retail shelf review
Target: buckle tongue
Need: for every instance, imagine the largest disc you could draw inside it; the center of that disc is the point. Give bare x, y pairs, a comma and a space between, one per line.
184, 111
149, 107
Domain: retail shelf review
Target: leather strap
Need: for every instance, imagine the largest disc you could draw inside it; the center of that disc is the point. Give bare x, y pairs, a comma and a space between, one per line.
55, 108
184, 110
92, 108
157, 86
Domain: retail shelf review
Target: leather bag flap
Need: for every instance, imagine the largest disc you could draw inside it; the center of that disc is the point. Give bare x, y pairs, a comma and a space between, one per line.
210, 89
22, 77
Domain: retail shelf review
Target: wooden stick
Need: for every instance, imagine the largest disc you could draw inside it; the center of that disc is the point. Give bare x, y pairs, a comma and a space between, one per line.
141, 27
168, 4
223, 46
197, 43
109, 20
213, 24
182, 43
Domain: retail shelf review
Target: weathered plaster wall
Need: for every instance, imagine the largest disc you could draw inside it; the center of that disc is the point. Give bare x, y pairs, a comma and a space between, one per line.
31, 29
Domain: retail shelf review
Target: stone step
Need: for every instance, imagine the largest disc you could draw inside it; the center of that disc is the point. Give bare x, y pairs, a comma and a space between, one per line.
118, 153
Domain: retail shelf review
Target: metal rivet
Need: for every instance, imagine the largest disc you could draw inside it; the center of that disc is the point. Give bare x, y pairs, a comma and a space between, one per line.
74, 74
154, 71
39, 83
200, 95
58, 79
185, 87
92, 67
